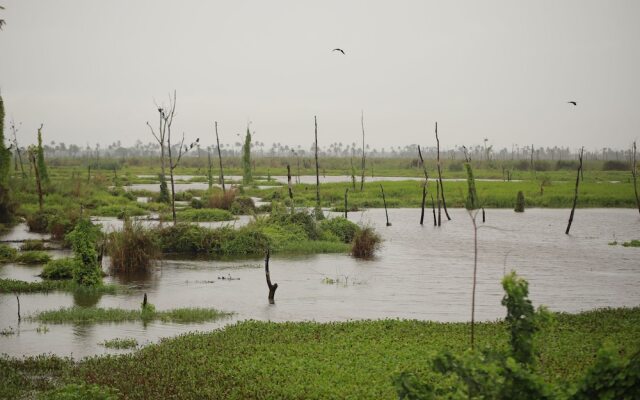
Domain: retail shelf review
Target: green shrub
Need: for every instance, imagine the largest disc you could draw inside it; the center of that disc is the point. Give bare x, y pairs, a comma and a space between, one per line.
204, 214
84, 238
519, 202
301, 218
632, 243
32, 257
243, 206
7, 253
613, 165
134, 248
365, 243
197, 203
566, 164
61, 268
342, 228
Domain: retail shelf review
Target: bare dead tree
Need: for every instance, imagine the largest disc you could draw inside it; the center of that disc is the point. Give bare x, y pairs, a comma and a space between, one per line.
224, 190
166, 115
272, 287
290, 187
14, 130
318, 209
182, 150
575, 194
634, 174
444, 202
18, 299
424, 184
473, 214
363, 153
433, 209
32, 152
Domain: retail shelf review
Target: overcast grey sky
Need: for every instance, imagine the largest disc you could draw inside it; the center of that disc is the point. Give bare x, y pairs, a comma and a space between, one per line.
91, 70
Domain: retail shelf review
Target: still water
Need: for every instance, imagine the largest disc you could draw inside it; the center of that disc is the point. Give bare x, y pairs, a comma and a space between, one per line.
421, 272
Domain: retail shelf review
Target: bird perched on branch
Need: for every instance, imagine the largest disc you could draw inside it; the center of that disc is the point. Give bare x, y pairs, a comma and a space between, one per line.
572, 102
340, 50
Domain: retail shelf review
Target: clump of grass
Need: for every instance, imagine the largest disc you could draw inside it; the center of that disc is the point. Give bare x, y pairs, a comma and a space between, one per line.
632, 243
135, 248
365, 243
222, 200
242, 206
7, 332
148, 313
204, 214
519, 202
61, 268
7, 253
120, 344
18, 286
30, 245
32, 257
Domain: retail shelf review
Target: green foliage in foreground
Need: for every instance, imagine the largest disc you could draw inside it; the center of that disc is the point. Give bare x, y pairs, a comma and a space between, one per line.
356, 359
61, 268
83, 240
80, 392
88, 315
32, 257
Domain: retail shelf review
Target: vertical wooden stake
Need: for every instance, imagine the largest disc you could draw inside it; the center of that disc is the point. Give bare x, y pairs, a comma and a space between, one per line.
363, 153
575, 194
19, 317
634, 173
224, 190
272, 287
290, 187
444, 202
433, 208
144, 301
424, 186
315, 120
424, 197
438, 199
345, 202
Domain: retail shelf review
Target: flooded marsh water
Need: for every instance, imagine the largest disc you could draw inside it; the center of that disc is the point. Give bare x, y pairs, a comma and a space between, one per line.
421, 272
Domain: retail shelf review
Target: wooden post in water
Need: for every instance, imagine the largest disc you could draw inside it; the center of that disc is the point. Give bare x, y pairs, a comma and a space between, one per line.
272, 287
634, 173
433, 208
385, 205
438, 199
575, 194
444, 202
19, 317
224, 190
363, 153
424, 197
345, 202
483, 219
144, 301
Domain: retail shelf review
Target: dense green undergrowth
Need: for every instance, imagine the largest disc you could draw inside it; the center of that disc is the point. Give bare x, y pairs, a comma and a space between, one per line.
258, 360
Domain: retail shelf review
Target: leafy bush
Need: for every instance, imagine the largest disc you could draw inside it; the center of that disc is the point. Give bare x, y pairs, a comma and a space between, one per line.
197, 203
519, 202
204, 214
243, 206
613, 165
7, 253
301, 218
365, 243
566, 164
135, 248
61, 268
344, 229
84, 238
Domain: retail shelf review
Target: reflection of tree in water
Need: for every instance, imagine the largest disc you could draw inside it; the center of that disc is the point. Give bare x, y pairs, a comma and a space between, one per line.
86, 298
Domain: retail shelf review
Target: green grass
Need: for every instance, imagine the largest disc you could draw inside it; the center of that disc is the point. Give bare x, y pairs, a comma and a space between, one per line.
32, 257
491, 194
260, 360
17, 286
89, 315
632, 243
202, 215
120, 343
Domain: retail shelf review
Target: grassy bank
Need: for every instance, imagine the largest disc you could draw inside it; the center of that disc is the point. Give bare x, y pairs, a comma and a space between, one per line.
312, 360
18, 286
491, 194
90, 315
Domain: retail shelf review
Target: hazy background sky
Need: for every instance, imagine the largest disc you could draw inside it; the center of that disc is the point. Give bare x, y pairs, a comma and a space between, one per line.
91, 70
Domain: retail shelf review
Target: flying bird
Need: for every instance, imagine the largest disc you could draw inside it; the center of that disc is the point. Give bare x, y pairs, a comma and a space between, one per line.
572, 102
340, 50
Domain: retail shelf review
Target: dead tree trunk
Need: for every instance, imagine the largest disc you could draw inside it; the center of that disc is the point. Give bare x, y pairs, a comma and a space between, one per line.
290, 187
444, 202
438, 199
433, 209
424, 186
224, 190
384, 201
315, 120
272, 287
19, 317
575, 194
345, 202
32, 159
363, 153
634, 173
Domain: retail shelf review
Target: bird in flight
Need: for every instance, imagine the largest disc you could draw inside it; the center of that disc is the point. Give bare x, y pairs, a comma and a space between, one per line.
572, 102
340, 50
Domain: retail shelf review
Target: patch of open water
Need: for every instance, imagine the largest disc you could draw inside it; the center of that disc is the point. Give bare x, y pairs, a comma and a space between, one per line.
421, 272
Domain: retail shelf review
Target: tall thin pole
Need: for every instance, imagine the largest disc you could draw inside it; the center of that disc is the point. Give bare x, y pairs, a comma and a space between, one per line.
575, 194
444, 202
224, 190
315, 120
